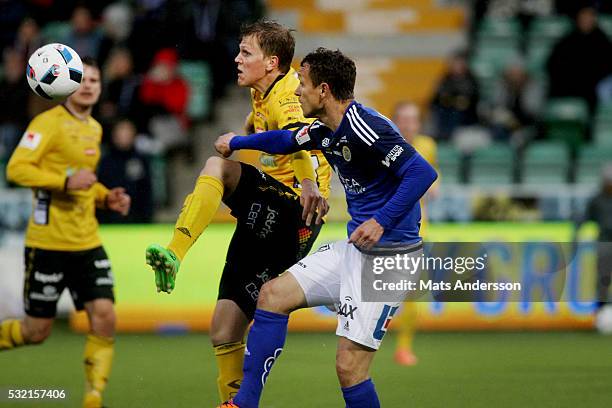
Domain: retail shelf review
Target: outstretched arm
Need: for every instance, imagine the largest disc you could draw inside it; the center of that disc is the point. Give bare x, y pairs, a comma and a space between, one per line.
273, 142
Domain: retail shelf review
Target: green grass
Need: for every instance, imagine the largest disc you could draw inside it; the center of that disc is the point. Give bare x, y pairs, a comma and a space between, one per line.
556, 369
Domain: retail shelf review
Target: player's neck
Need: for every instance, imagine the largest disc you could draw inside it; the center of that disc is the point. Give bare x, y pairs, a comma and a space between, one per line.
334, 112
266, 82
79, 111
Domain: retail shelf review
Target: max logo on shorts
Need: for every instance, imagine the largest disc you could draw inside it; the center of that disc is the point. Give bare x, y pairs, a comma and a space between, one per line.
346, 309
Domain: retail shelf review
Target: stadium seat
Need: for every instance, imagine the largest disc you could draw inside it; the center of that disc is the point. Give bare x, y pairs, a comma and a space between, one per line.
537, 57
498, 32
548, 29
488, 63
566, 119
55, 31
590, 162
160, 187
603, 114
449, 164
602, 134
492, 165
605, 23
2, 173
546, 163
198, 75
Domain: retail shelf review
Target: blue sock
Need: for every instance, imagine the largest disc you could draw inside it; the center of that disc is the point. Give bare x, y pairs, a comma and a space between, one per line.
264, 344
362, 395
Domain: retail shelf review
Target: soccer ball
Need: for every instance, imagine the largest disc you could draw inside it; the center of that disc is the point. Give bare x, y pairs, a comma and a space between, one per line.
603, 320
54, 71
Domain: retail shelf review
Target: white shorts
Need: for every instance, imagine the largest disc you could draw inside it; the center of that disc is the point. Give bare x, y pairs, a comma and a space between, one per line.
332, 276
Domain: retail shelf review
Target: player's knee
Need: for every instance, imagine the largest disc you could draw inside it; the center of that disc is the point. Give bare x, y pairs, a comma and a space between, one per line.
221, 334
348, 369
37, 333
103, 320
273, 299
213, 167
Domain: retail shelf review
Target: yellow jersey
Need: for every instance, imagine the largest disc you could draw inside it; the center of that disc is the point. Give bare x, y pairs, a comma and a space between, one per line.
427, 147
279, 109
55, 145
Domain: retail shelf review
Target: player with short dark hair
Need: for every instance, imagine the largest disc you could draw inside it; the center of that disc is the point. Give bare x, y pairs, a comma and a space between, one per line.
57, 157
383, 178
275, 208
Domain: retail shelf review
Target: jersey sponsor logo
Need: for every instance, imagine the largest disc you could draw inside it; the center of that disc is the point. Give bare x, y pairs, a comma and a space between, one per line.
30, 140
350, 184
393, 155
104, 281
102, 264
287, 101
269, 222
302, 136
253, 214
346, 153
48, 277
383, 322
268, 365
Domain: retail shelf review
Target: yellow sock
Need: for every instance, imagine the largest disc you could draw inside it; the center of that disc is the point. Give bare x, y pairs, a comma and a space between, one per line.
407, 321
230, 357
198, 210
98, 361
10, 334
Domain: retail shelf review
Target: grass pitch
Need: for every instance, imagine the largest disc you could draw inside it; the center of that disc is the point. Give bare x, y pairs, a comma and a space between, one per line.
558, 369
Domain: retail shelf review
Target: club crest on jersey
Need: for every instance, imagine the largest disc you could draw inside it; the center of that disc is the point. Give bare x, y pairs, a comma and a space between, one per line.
346, 153
325, 142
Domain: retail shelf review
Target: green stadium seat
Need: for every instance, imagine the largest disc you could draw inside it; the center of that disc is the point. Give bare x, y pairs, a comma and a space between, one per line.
591, 160
492, 165
548, 29
499, 32
603, 115
449, 164
55, 31
567, 119
160, 187
488, 63
602, 134
546, 163
537, 57
605, 23
199, 77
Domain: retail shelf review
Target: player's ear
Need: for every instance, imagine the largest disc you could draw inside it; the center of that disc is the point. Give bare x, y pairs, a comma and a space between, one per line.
272, 62
324, 89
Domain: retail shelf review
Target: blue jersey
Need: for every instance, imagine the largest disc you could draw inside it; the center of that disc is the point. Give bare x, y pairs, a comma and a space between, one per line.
369, 155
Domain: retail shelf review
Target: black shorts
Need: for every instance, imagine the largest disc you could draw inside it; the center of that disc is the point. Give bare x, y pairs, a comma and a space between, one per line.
87, 274
269, 238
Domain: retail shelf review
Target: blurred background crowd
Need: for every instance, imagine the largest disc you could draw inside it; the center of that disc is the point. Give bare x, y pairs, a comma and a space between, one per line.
517, 94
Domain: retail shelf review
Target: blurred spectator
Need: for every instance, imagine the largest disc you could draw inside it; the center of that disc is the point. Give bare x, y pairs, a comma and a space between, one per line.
28, 38
14, 97
117, 22
164, 95
12, 13
600, 211
119, 95
455, 100
517, 99
123, 166
83, 37
524, 10
580, 59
